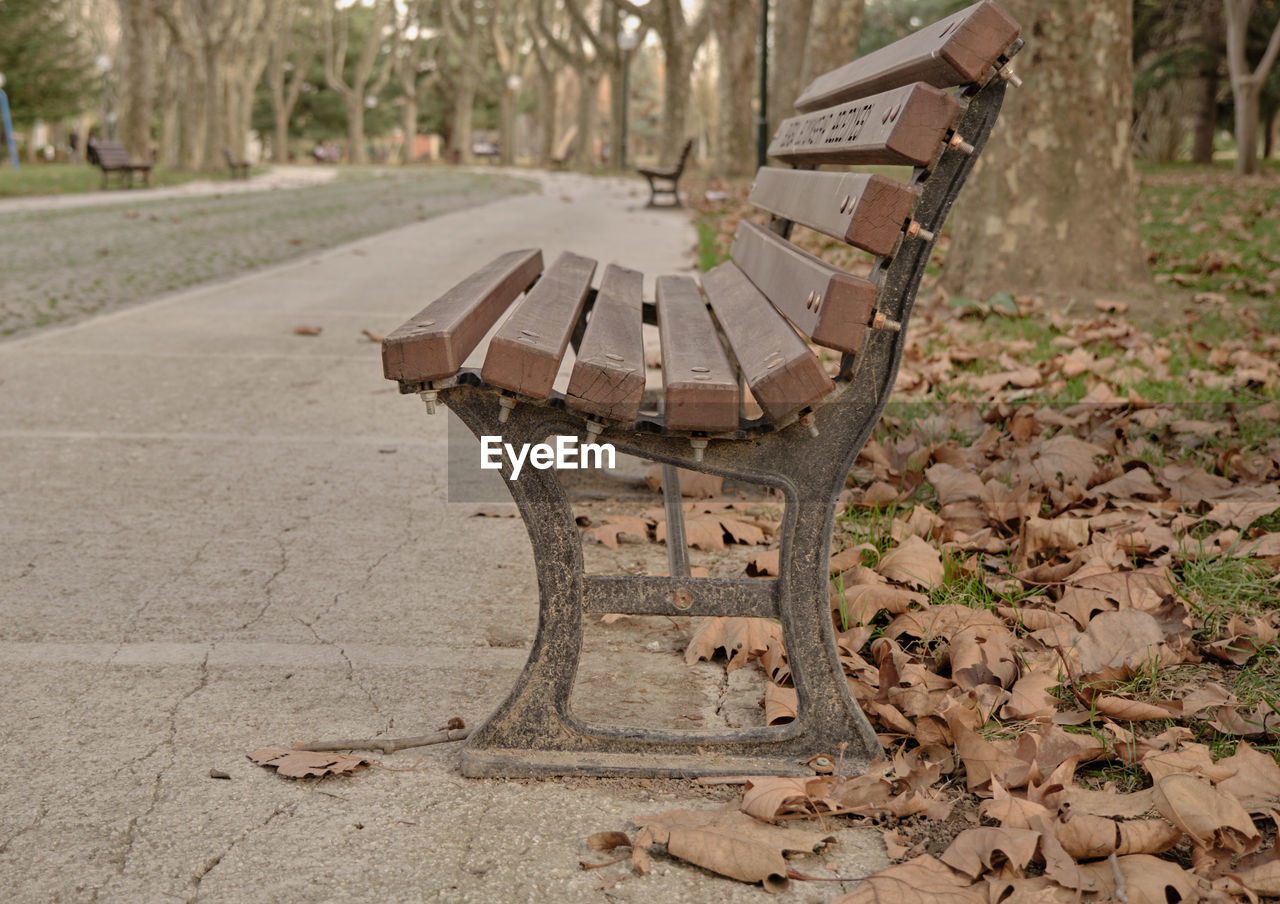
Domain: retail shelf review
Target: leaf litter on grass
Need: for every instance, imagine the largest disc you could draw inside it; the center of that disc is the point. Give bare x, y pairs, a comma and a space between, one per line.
1063, 622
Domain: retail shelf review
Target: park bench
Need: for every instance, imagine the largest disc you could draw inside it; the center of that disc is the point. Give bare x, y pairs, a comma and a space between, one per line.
111, 157
664, 174
892, 107
239, 168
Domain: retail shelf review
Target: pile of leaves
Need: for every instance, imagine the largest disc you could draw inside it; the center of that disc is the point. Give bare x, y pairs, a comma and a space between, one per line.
1055, 597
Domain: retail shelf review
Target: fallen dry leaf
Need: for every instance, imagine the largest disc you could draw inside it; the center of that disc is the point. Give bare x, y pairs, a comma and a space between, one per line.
302, 763
307, 330
913, 562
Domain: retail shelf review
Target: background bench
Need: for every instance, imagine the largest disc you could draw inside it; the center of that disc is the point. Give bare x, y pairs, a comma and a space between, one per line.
239, 168
111, 157
665, 174
737, 329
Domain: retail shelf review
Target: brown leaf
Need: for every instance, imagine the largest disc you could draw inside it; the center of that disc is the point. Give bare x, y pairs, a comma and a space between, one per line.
1130, 710
780, 704
1065, 459
1256, 783
729, 842
1116, 644
1064, 534
1211, 816
924, 880
693, 484
768, 797
974, 851
742, 639
372, 336
913, 562
307, 330
608, 841
1147, 879
618, 527
763, 564
302, 763
1133, 483
1031, 698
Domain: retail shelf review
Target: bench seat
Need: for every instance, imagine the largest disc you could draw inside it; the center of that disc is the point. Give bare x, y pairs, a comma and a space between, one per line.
566, 355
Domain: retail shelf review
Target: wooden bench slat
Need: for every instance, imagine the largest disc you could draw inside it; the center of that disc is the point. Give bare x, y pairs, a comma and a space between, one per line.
867, 211
784, 375
608, 375
524, 355
699, 383
902, 127
434, 343
954, 51
825, 303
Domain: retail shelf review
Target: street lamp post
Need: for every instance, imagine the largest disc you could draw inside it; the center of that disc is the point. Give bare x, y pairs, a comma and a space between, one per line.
8, 126
627, 41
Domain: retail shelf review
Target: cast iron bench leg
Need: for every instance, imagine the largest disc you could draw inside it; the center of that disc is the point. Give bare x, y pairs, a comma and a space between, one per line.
533, 732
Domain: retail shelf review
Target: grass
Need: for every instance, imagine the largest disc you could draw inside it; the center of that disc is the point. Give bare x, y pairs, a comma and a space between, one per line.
62, 178
1215, 589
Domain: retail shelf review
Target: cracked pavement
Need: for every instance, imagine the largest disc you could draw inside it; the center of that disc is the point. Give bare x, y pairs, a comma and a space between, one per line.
221, 536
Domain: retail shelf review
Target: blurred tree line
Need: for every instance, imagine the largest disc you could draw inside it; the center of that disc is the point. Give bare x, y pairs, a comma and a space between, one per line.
1106, 80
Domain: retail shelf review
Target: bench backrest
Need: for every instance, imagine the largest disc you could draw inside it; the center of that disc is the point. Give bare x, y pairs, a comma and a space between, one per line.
892, 108
684, 155
110, 154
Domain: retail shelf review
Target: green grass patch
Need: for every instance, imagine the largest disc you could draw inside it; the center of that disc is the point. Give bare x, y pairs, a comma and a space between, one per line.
65, 178
1217, 588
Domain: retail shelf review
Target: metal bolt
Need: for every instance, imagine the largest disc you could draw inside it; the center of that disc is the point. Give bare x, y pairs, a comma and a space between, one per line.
914, 230
594, 428
959, 144
699, 446
811, 422
1006, 72
508, 404
682, 599
429, 397
882, 322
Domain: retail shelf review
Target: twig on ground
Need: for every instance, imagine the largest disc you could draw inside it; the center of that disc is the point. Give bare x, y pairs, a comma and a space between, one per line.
590, 866
1122, 893
388, 745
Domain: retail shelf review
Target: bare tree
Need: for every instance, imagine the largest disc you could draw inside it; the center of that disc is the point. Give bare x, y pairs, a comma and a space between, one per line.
791, 35
735, 25
1052, 204
139, 27
1246, 85
247, 57
355, 88
680, 40
415, 71
548, 97
833, 37
506, 33
294, 45
588, 67
464, 31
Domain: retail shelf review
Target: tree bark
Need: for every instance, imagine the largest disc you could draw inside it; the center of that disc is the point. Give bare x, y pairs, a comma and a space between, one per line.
1052, 203
138, 22
1207, 105
791, 34
833, 37
353, 92
734, 24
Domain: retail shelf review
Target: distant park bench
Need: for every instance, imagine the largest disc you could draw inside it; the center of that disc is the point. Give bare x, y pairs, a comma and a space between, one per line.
665, 174
111, 157
741, 326
239, 168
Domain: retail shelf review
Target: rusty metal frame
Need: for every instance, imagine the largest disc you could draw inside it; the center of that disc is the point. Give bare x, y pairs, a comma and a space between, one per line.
533, 732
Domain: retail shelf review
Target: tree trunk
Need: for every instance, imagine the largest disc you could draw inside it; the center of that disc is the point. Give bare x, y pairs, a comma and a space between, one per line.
138, 20
786, 67
1269, 133
834, 36
356, 151
1052, 203
1247, 99
463, 101
734, 24
548, 102
506, 126
1206, 118
584, 149
215, 109
675, 100
409, 125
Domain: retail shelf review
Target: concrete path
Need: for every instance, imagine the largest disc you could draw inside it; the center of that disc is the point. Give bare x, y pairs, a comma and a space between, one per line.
280, 176
220, 536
